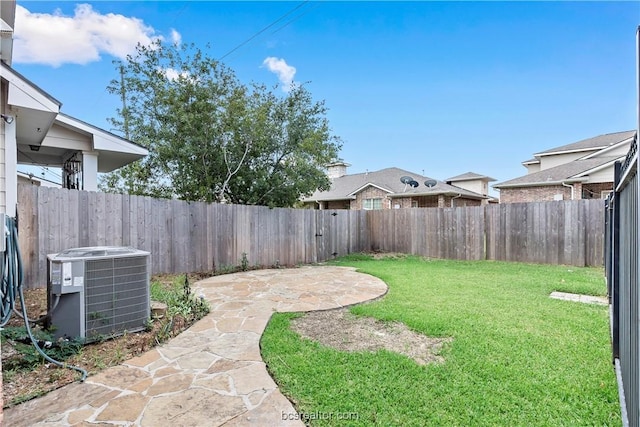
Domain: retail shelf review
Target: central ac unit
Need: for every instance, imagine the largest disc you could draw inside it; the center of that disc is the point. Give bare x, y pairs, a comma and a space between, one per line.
98, 292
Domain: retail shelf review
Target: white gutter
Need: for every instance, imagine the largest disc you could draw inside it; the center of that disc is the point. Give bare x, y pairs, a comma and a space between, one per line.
540, 184
456, 197
571, 187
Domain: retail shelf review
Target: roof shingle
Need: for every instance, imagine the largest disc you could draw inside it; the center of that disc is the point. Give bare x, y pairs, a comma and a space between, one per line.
469, 176
556, 174
597, 142
343, 188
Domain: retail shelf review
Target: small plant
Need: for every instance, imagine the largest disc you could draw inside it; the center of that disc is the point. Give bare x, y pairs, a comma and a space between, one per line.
225, 269
29, 357
244, 262
148, 325
181, 303
186, 288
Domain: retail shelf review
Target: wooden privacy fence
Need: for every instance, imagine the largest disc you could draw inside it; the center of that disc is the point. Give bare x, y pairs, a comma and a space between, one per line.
547, 232
184, 236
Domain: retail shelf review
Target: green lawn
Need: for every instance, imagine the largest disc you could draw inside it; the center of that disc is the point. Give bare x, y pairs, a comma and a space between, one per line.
517, 356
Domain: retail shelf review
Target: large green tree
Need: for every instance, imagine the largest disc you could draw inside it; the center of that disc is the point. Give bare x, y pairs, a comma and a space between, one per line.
212, 138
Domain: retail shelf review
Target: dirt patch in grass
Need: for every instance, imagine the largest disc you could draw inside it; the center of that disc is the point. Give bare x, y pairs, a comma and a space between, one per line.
386, 255
344, 331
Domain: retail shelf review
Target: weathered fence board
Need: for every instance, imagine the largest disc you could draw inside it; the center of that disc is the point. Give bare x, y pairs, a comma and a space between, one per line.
551, 232
191, 236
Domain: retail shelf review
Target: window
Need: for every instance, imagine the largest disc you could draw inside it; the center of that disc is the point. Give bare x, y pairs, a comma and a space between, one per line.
370, 204
414, 204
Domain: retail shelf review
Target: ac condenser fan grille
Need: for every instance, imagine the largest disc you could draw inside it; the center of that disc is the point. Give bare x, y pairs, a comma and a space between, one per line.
116, 296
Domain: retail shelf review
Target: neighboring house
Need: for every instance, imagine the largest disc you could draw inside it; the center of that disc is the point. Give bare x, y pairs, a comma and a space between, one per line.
388, 189
30, 178
33, 131
581, 170
473, 182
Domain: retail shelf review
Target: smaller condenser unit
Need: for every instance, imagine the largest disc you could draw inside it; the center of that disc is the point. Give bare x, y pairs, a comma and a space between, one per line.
98, 292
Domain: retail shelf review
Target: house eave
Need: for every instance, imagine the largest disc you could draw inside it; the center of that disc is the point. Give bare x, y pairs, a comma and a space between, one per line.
336, 199
443, 193
480, 178
598, 168
541, 183
106, 141
608, 148
579, 150
368, 184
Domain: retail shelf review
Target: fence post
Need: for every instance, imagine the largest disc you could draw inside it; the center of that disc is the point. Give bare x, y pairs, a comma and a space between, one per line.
615, 262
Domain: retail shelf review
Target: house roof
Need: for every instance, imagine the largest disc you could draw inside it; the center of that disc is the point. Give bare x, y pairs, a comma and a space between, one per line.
37, 113
113, 150
596, 143
347, 186
574, 171
469, 176
69, 135
34, 108
7, 22
531, 161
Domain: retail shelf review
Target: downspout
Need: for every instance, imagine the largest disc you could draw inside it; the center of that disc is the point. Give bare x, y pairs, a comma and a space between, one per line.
456, 197
569, 186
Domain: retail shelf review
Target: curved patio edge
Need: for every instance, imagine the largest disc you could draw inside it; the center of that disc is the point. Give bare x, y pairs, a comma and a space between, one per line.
212, 374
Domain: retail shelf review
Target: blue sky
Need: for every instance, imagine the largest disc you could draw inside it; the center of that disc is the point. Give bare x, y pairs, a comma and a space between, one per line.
439, 88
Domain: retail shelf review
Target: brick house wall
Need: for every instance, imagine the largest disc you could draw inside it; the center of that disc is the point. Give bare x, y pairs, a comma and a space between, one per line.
427, 201
371, 193
460, 202
535, 194
401, 202
594, 191
439, 201
337, 204
547, 193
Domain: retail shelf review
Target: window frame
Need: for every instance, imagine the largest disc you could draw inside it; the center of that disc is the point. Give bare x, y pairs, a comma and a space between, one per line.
372, 202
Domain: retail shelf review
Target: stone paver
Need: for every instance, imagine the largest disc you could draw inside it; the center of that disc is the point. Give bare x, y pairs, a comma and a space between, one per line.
212, 374
586, 299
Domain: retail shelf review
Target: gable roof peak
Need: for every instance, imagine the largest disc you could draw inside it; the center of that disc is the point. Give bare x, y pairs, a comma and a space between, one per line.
590, 144
469, 176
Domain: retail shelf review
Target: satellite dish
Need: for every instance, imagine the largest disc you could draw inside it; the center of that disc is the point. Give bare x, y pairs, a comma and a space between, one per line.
413, 183
430, 183
406, 179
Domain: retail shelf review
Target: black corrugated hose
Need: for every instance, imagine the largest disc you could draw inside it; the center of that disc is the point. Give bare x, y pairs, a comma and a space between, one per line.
11, 287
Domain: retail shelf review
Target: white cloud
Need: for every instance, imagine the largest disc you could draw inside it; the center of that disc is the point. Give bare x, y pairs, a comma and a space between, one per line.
173, 74
55, 39
285, 72
176, 37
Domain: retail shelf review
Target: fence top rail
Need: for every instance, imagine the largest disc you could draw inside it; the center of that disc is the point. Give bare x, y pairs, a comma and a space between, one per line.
628, 169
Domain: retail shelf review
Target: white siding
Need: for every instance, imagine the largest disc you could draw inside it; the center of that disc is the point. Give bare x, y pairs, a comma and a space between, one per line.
547, 162
61, 137
3, 184
615, 152
477, 186
603, 175
533, 168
